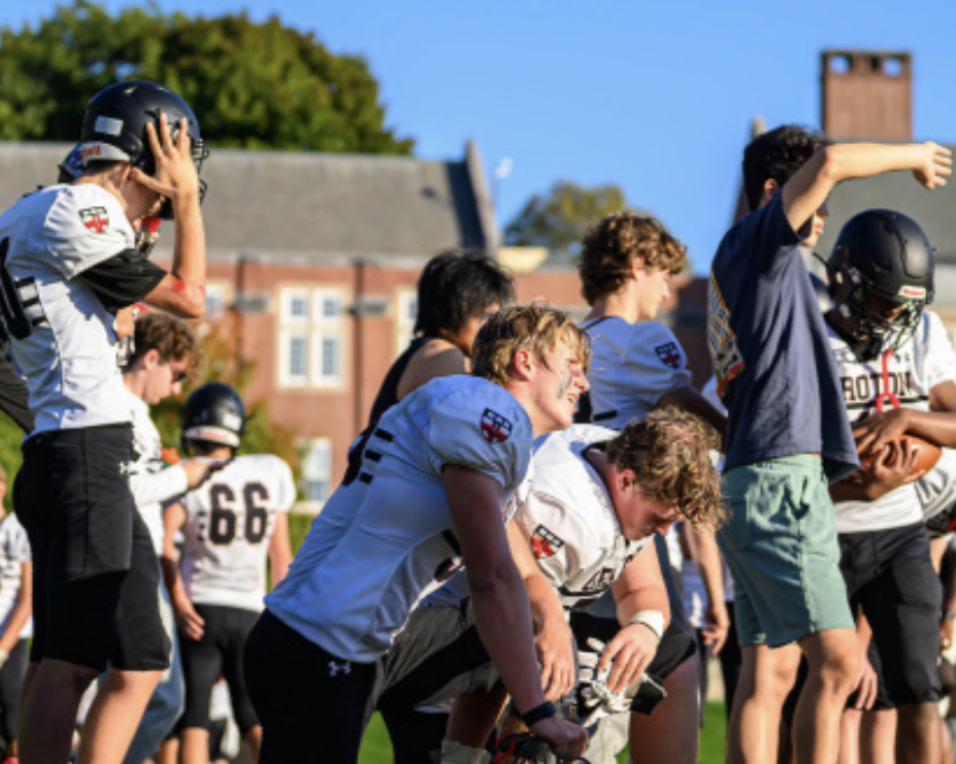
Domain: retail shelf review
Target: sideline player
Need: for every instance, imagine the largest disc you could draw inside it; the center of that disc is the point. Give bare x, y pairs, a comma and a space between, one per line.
165, 352
435, 474
69, 263
626, 264
787, 435
16, 587
898, 375
232, 524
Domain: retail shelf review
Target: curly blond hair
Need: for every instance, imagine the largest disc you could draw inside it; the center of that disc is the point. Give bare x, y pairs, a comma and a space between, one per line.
524, 327
609, 249
669, 453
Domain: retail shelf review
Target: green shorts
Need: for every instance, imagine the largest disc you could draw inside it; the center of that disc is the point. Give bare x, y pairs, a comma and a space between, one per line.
780, 542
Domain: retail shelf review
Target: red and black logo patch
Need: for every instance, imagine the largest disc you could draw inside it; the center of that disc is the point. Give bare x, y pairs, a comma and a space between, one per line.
97, 219
669, 354
495, 427
545, 543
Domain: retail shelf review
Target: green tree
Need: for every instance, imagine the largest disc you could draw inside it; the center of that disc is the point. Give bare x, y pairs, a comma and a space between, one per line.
252, 85
560, 218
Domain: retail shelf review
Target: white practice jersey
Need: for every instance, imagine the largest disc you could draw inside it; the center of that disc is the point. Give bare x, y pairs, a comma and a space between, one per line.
150, 479
14, 551
632, 367
569, 516
926, 360
387, 539
62, 339
229, 522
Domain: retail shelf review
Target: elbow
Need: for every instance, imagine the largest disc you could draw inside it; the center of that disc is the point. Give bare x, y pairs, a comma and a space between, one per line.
832, 160
193, 307
492, 581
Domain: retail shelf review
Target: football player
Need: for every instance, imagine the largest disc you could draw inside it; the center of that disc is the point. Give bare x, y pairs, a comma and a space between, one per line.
69, 263
626, 264
232, 524
897, 372
435, 474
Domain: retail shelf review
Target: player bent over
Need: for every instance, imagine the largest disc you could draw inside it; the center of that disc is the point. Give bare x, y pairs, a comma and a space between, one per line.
898, 375
435, 474
788, 435
231, 523
68, 263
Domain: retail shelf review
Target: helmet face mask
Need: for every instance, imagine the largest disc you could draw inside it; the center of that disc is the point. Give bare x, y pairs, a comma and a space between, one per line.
880, 280
114, 128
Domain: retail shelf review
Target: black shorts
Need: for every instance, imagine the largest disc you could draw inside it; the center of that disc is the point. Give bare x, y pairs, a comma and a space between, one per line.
313, 706
219, 651
889, 574
95, 572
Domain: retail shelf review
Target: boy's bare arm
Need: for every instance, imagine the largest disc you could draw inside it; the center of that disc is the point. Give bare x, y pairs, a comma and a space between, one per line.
810, 186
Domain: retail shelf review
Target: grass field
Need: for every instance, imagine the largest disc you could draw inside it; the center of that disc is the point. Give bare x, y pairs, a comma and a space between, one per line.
376, 748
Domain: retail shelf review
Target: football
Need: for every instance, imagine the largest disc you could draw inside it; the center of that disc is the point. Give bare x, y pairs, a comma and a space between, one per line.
927, 454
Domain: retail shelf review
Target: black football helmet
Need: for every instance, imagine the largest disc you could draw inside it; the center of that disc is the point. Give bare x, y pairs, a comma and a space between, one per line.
887, 255
213, 413
114, 128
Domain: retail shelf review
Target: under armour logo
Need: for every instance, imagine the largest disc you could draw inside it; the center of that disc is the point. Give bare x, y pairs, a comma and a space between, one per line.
127, 468
335, 668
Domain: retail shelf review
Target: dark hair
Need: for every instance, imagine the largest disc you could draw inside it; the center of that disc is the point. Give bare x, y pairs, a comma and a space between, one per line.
609, 249
777, 155
171, 337
457, 285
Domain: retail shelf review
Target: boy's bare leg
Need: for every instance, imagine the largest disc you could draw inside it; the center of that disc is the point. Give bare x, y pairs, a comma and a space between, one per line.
833, 664
766, 677
878, 737
850, 730
670, 734
253, 739
473, 717
115, 714
48, 715
168, 752
917, 733
194, 746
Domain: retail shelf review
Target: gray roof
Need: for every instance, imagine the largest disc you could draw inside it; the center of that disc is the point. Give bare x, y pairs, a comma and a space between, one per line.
340, 204
935, 211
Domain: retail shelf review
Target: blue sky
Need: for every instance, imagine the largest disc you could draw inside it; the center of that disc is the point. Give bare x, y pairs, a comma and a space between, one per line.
655, 95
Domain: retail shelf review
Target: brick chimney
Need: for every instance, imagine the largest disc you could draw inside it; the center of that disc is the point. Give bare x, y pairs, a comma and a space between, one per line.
867, 94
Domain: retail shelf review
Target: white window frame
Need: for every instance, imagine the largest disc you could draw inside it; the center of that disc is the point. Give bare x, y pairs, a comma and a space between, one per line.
323, 475
314, 329
406, 311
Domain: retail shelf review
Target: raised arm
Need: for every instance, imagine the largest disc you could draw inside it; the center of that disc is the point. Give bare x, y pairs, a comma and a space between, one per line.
808, 189
500, 602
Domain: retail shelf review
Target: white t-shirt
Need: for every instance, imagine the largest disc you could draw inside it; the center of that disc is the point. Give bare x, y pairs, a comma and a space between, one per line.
926, 360
575, 533
67, 348
387, 540
14, 551
229, 522
632, 367
150, 479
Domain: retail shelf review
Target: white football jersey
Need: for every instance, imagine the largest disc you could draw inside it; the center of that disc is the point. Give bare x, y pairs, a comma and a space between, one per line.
575, 535
903, 378
61, 336
150, 479
230, 519
632, 367
14, 551
387, 539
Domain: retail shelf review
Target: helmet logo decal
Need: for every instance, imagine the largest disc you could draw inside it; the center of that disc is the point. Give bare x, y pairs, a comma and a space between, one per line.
108, 125
913, 292
232, 421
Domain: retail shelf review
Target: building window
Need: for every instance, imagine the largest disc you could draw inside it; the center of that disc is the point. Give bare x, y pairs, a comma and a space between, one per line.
407, 308
317, 471
311, 338
215, 302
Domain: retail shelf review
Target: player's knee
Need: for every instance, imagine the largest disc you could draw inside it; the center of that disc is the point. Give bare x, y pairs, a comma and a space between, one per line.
838, 672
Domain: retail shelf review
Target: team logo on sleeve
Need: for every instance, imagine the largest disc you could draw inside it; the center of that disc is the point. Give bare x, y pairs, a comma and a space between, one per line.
95, 218
495, 427
669, 354
544, 543
600, 580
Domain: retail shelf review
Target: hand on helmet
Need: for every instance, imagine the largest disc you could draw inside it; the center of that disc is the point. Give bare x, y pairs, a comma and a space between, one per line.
175, 176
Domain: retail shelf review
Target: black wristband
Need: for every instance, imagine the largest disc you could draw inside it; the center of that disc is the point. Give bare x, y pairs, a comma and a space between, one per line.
538, 713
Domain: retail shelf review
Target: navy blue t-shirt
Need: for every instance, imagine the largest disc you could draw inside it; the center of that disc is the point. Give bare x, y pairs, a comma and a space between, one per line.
768, 342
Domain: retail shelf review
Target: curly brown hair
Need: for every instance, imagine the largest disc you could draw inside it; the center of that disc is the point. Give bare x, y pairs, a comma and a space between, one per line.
669, 453
171, 337
609, 249
524, 327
